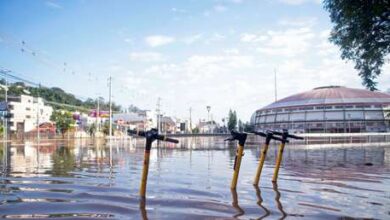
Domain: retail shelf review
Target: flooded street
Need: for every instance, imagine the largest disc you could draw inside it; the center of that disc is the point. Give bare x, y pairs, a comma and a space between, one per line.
85, 179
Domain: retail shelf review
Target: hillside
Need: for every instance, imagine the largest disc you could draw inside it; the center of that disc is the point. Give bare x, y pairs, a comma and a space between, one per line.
56, 97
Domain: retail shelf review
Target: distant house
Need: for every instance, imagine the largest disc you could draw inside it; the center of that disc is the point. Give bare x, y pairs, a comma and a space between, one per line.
25, 112
168, 125
140, 120
208, 127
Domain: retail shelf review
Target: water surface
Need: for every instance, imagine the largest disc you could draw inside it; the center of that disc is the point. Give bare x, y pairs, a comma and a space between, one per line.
88, 179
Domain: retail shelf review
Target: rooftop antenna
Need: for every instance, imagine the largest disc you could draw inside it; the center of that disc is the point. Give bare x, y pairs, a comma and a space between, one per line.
276, 88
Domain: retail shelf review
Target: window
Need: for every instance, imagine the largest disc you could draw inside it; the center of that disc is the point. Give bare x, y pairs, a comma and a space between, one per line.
374, 115
299, 116
282, 117
334, 115
350, 115
28, 109
314, 116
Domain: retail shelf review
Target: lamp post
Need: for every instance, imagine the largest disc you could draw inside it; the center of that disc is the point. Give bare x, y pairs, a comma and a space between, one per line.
208, 116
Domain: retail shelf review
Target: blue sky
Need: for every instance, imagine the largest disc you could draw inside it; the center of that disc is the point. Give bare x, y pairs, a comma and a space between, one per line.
221, 53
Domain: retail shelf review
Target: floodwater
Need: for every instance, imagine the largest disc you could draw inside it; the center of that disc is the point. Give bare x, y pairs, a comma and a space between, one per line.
85, 179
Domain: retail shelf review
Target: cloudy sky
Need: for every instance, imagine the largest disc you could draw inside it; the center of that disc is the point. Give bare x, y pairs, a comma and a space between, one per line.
221, 53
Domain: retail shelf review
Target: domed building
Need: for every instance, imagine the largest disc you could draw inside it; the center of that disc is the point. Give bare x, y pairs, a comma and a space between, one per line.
330, 109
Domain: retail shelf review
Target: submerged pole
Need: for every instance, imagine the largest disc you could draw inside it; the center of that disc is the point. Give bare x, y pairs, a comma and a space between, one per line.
284, 136
241, 138
237, 165
145, 169
262, 159
278, 162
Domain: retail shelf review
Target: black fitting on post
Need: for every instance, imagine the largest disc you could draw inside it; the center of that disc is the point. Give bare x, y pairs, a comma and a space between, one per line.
240, 137
285, 135
151, 136
269, 135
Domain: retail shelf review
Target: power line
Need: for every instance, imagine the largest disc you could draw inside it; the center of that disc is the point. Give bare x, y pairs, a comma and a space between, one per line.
25, 48
8, 74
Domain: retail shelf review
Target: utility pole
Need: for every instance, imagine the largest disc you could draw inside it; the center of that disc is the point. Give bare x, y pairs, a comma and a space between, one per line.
208, 118
191, 120
158, 110
38, 112
98, 115
110, 103
6, 102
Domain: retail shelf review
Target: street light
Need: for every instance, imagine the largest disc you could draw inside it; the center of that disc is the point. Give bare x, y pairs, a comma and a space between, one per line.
208, 117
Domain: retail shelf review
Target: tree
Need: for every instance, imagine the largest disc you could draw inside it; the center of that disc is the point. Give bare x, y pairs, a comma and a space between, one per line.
240, 126
195, 130
91, 130
248, 127
106, 128
63, 120
232, 120
362, 31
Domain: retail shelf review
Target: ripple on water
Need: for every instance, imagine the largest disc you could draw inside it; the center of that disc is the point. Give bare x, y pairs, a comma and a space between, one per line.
81, 182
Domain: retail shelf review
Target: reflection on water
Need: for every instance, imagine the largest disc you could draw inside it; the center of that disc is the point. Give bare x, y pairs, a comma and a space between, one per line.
89, 179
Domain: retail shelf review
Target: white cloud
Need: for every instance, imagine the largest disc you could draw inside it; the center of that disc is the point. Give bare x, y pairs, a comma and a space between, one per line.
158, 40
192, 39
298, 22
146, 57
52, 4
227, 61
252, 38
325, 47
216, 37
290, 42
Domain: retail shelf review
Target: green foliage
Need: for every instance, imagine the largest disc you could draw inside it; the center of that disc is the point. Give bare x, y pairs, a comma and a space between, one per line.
362, 31
1, 129
240, 126
248, 127
57, 95
195, 130
63, 121
64, 161
106, 128
91, 129
232, 120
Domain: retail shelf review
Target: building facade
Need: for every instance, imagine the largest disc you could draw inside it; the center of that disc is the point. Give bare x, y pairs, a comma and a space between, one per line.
26, 112
331, 109
140, 120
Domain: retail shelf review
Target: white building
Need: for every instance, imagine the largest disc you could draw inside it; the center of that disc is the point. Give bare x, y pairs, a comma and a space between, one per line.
208, 127
141, 120
26, 112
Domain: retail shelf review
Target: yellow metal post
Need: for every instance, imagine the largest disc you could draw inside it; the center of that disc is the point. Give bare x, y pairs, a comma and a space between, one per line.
142, 191
261, 163
278, 162
237, 164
